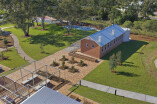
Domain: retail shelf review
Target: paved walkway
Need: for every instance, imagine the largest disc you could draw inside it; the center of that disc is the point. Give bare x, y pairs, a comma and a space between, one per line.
120, 92
18, 47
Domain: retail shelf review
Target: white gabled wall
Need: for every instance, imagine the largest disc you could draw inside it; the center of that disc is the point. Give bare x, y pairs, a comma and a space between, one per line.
126, 35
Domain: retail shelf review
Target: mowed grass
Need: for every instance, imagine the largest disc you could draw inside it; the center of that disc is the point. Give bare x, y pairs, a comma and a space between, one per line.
46, 38
104, 98
14, 60
149, 56
6, 25
132, 75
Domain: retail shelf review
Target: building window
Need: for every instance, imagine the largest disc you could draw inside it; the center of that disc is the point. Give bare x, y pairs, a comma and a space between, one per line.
93, 46
86, 44
111, 44
105, 47
114, 41
102, 49
108, 45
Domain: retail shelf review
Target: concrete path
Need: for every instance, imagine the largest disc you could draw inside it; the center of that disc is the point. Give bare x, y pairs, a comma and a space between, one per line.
155, 62
18, 47
120, 92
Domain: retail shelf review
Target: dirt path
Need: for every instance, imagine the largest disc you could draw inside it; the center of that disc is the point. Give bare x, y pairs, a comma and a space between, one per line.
142, 37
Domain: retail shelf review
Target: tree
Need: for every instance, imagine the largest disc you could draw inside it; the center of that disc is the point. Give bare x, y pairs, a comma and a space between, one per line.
42, 8
119, 57
128, 24
138, 24
149, 25
19, 13
114, 13
42, 48
148, 8
71, 11
5, 42
113, 62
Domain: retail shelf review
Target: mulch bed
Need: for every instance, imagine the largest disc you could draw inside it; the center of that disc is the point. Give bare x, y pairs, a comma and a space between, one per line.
142, 37
9, 39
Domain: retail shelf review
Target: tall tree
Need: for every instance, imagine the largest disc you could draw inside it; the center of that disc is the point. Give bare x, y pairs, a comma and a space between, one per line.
71, 11
148, 8
19, 12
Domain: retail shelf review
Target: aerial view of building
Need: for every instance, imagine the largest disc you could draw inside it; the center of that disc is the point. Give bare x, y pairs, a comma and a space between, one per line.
78, 51
104, 41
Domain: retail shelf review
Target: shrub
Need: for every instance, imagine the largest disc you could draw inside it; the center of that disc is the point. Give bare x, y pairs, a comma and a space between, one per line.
128, 24
63, 66
73, 70
81, 63
54, 64
137, 25
149, 25
63, 58
72, 61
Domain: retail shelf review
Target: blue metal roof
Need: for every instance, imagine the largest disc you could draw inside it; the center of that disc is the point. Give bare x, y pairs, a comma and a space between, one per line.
106, 34
48, 96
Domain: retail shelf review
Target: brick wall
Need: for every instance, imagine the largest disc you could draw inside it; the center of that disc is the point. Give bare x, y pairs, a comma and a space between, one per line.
107, 50
95, 52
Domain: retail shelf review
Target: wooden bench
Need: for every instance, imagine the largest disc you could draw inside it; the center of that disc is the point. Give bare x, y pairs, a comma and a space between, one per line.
74, 54
29, 79
41, 84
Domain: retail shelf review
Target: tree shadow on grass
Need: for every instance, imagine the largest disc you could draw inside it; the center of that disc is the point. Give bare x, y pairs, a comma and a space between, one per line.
127, 49
47, 39
130, 65
128, 74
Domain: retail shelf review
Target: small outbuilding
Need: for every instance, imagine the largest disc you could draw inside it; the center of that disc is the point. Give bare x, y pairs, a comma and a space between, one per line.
102, 42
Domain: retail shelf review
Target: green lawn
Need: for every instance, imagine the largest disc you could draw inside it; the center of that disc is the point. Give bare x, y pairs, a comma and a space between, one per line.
149, 56
132, 75
46, 38
14, 60
104, 98
6, 25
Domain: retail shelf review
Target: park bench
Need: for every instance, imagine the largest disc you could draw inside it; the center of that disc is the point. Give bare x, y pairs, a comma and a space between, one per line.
29, 79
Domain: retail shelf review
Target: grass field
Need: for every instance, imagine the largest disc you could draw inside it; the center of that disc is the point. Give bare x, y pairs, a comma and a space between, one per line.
102, 97
6, 25
14, 61
46, 38
132, 75
148, 58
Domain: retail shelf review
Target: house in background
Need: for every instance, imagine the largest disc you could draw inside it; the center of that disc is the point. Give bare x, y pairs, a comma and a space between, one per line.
102, 42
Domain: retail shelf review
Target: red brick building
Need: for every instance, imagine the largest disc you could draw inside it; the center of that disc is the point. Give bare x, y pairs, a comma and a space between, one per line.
102, 42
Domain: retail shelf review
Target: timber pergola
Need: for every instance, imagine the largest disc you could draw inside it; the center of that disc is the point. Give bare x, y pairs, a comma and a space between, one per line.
18, 92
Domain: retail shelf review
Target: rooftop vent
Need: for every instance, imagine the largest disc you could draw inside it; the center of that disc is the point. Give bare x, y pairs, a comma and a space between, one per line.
99, 39
113, 32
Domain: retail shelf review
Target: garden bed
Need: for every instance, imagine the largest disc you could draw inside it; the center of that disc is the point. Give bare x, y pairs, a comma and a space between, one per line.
9, 39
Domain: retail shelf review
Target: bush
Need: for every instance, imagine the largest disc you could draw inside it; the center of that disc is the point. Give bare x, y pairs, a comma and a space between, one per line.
73, 70
54, 64
137, 25
63, 58
81, 63
128, 24
149, 25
